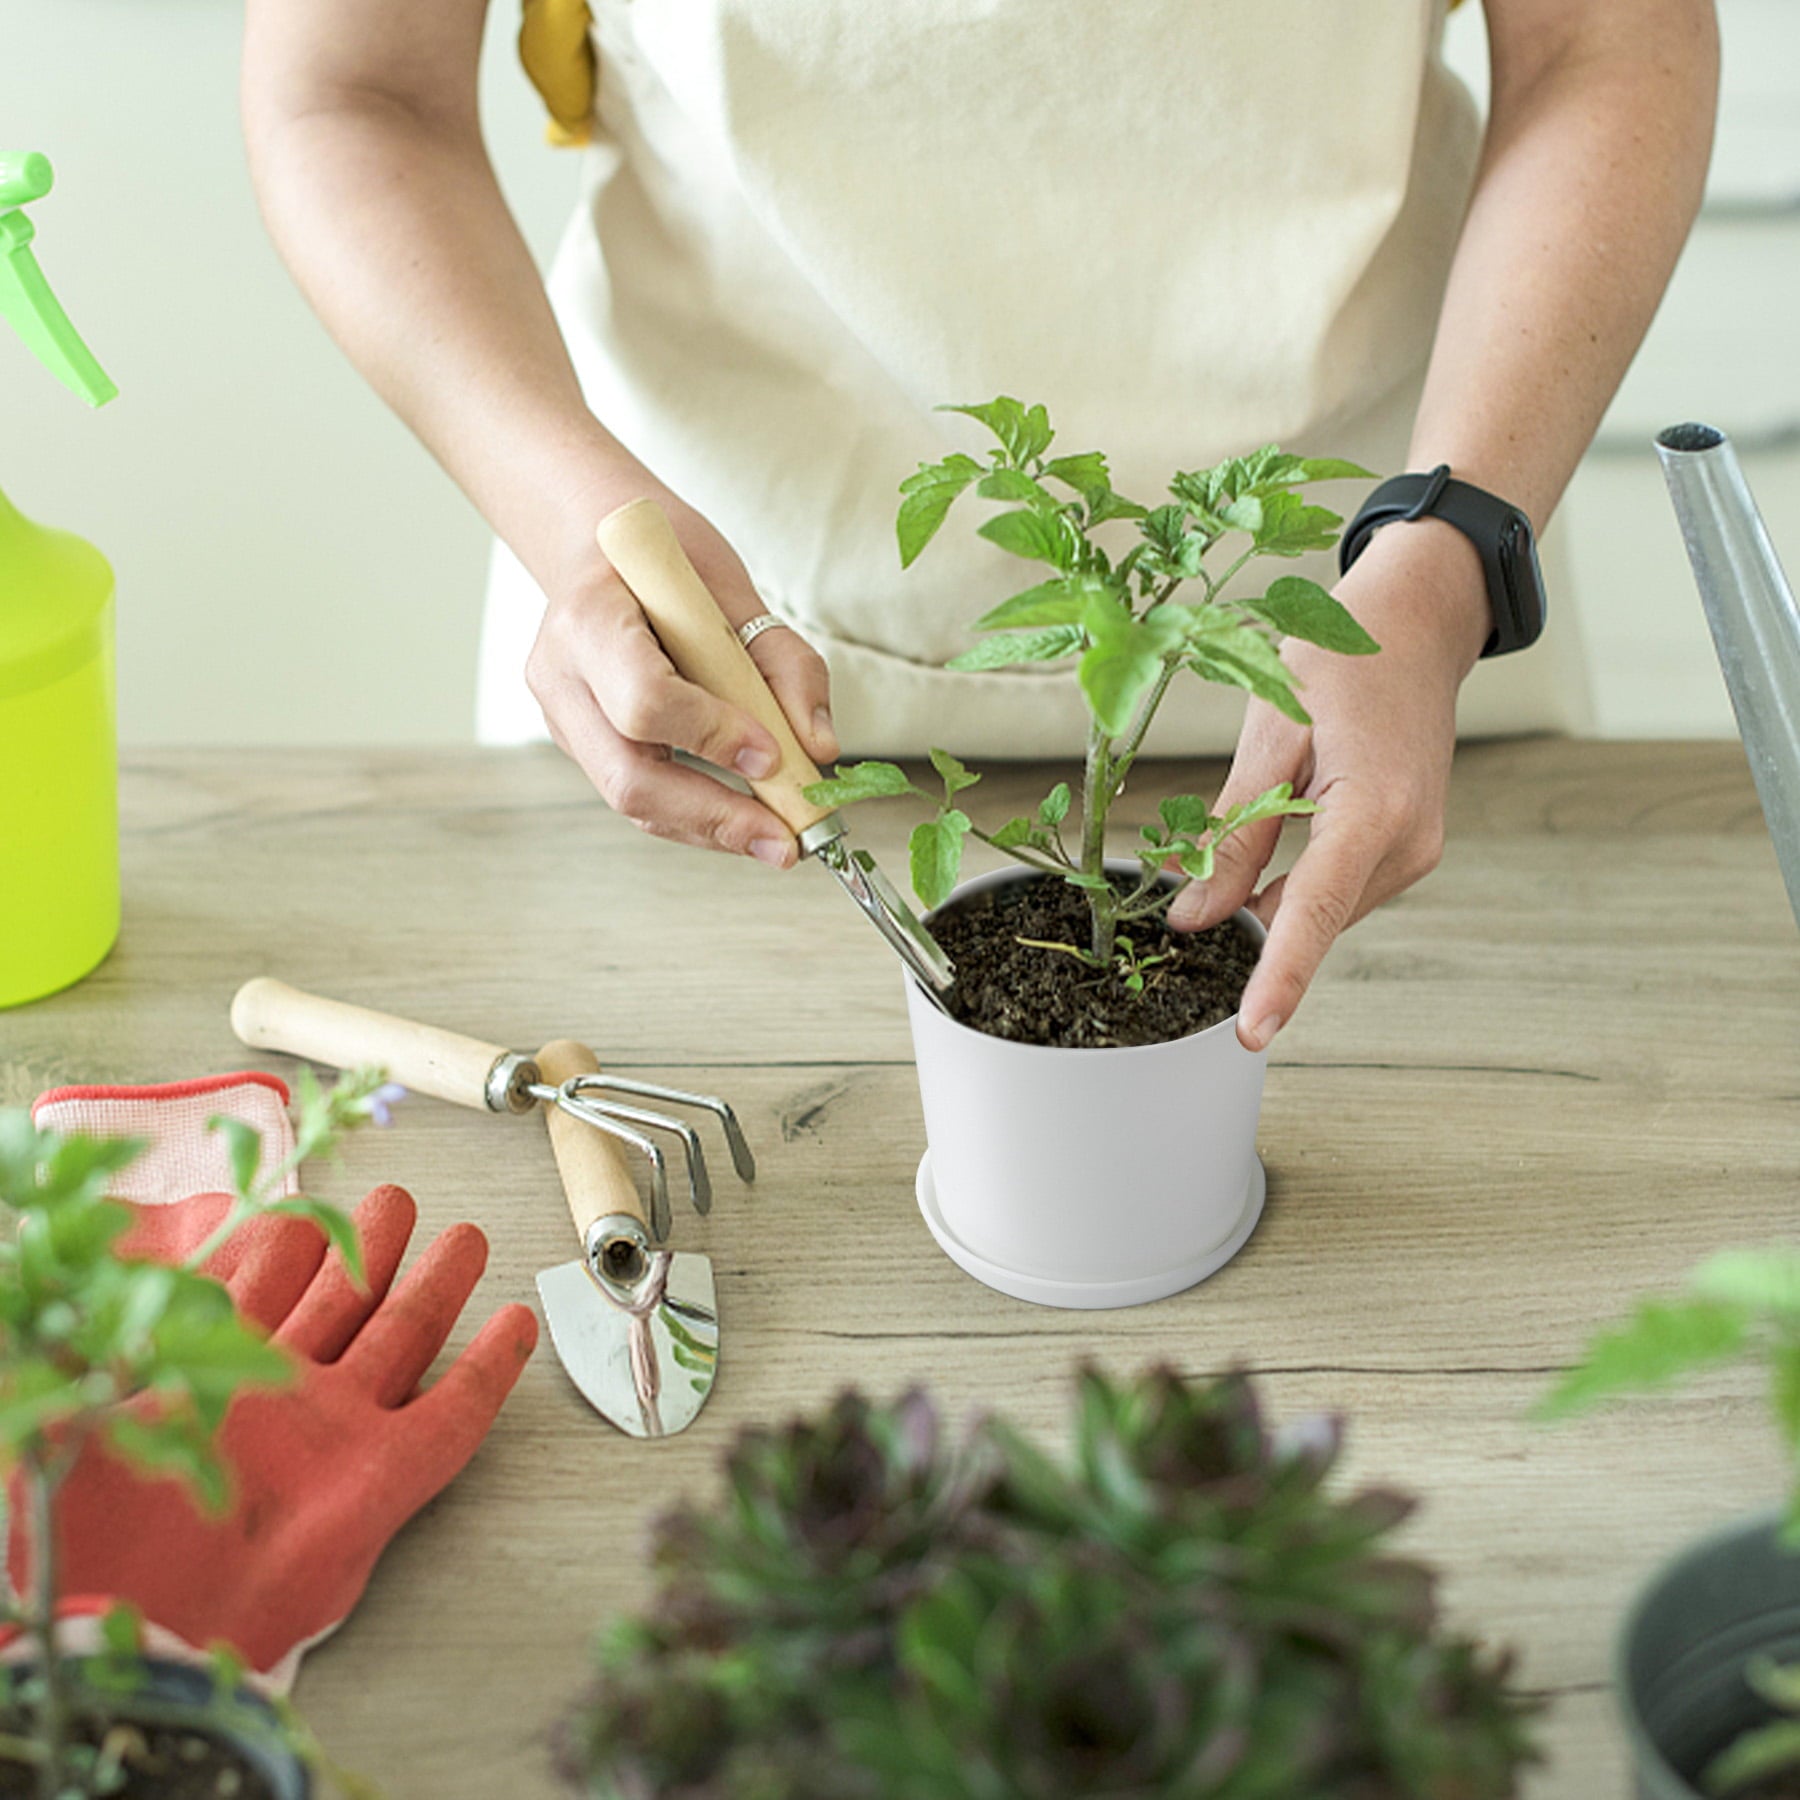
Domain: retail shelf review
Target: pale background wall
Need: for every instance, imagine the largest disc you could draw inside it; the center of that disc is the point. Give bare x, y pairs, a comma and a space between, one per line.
294, 569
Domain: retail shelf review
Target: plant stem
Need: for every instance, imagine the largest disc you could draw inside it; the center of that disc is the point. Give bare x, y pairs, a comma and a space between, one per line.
1097, 791
53, 1703
1140, 726
1020, 853
235, 1215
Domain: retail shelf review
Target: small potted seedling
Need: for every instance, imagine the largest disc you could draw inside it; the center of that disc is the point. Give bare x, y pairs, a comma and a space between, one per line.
1184, 1609
84, 1330
1090, 1112
1708, 1663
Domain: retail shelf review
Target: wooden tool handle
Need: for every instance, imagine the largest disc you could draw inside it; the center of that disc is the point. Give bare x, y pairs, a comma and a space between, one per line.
641, 545
595, 1175
270, 1015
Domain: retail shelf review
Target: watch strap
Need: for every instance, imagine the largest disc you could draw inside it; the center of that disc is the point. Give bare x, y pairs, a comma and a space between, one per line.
1500, 532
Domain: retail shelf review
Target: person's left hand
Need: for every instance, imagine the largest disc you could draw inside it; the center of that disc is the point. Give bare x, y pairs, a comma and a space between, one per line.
1376, 760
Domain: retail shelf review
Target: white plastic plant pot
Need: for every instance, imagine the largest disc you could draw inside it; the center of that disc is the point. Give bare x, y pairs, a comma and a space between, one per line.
1087, 1178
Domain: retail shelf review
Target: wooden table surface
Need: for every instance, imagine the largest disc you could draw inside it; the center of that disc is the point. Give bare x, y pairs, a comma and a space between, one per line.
1554, 1075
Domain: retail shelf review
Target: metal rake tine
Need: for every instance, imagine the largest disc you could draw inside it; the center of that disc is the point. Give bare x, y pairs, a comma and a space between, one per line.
741, 1158
612, 1122
699, 1181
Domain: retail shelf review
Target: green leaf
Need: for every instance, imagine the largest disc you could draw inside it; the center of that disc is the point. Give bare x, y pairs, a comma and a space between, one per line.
937, 1644
1032, 536
956, 776
1115, 677
170, 1446
1004, 648
1300, 608
1244, 514
122, 1629
1060, 601
1086, 473
1122, 662
1661, 1341
1776, 1682
928, 496
1228, 672
1176, 541
937, 847
1226, 651
243, 1145
36, 1395
1764, 1280
1011, 835
1015, 484
1164, 528
1333, 468
1185, 815
227, 1669
860, 781
1024, 431
1784, 1393
1291, 527
1762, 1752
1054, 807
1277, 802
1113, 506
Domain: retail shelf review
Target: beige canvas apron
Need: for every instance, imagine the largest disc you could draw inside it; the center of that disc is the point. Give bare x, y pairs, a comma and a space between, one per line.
1189, 227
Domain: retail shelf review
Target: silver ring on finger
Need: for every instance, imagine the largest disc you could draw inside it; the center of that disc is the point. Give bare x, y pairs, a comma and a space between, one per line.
752, 629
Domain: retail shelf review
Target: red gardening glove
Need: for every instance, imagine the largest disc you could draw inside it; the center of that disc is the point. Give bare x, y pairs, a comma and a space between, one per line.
324, 1472
175, 1185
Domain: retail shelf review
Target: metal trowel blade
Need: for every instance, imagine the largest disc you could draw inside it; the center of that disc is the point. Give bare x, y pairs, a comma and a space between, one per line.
593, 1338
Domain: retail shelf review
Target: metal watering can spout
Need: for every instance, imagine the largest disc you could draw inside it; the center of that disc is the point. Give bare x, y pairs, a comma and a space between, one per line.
1755, 623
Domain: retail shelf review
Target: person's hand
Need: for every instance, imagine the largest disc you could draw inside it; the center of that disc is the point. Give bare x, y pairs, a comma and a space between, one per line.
614, 703
1376, 759
324, 1471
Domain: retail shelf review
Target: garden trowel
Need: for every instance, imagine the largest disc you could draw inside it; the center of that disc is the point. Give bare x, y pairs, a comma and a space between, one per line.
637, 1327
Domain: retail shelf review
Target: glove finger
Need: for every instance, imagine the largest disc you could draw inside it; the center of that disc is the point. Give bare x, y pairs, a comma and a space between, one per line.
451, 1418
402, 1339
276, 1256
334, 1308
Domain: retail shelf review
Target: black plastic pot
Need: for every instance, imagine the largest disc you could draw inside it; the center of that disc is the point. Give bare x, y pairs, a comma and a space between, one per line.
1685, 1644
184, 1685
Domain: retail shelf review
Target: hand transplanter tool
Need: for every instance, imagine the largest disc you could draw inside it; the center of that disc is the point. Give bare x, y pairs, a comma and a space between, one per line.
270, 1015
639, 542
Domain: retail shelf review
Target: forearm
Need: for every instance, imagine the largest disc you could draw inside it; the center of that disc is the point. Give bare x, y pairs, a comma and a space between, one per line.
394, 226
1592, 171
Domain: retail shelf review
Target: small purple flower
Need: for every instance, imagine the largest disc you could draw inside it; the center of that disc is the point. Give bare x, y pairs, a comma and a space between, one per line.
384, 1098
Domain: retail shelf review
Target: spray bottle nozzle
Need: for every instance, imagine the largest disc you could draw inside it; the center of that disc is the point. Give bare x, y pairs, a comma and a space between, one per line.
26, 301
24, 176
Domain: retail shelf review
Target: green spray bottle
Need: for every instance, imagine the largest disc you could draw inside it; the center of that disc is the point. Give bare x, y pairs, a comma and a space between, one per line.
59, 804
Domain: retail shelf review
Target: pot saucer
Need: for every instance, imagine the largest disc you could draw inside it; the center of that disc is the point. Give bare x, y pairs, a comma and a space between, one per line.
1044, 1290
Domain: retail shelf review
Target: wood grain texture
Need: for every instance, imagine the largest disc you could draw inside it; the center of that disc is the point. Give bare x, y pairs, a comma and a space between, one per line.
1555, 1074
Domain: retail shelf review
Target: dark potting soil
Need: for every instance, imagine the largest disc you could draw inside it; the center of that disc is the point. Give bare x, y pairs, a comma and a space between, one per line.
164, 1763
1013, 990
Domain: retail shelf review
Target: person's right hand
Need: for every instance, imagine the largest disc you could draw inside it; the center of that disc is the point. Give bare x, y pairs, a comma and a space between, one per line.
614, 703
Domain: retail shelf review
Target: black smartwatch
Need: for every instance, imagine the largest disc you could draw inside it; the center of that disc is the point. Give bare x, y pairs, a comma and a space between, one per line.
1500, 533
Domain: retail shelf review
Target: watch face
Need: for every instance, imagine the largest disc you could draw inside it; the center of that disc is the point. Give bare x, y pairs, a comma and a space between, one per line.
1524, 582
